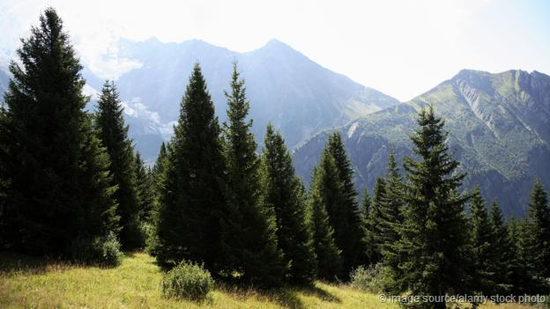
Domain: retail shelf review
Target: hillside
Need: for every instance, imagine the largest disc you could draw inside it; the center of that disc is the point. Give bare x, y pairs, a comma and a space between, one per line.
32, 283
297, 95
499, 129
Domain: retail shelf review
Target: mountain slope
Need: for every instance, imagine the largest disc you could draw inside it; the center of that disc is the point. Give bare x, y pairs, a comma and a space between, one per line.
297, 95
499, 129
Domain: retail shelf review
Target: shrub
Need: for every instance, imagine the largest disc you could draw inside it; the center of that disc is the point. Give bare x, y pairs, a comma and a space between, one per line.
369, 278
102, 251
187, 280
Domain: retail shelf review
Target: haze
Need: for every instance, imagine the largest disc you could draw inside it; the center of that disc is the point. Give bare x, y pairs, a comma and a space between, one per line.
399, 47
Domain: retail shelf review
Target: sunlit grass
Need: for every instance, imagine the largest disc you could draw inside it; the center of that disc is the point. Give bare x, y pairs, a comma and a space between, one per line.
29, 283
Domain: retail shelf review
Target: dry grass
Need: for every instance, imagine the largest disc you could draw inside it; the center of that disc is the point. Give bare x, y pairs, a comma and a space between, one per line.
31, 283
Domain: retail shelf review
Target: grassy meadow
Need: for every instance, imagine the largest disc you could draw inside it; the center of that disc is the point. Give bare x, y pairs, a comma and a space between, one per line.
136, 283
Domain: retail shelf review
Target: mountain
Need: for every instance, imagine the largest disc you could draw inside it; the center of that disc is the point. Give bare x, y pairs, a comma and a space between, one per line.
4, 82
499, 129
298, 96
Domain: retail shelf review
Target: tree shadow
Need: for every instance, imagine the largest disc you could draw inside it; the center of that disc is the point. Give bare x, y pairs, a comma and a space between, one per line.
287, 296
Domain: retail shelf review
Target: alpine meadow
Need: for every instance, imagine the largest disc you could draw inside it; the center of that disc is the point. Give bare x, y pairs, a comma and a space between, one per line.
173, 173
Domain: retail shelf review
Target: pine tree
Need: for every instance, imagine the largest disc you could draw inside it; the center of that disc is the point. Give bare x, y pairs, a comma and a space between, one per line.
344, 216
501, 252
145, 190
283, 193
434, 240
389, 209
59, 189
325, 190
113, 133
539, 222
192, 199
365, 209
249, 237
375, 220
482, 245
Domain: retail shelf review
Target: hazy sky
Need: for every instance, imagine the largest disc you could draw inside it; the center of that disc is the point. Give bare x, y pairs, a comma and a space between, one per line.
402, 48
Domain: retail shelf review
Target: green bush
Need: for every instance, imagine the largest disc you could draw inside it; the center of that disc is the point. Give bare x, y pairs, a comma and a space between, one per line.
187, 280
102, 251
369, 278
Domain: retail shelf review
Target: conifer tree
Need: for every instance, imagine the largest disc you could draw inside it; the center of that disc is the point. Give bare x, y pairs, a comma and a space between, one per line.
539, 223
283, 193
113, 133
365, 209
375, 220
325, 190
249, 237
501, 252
192, 198
145, 193
433, 242
344, 216
59, 188
482, 245
389, 209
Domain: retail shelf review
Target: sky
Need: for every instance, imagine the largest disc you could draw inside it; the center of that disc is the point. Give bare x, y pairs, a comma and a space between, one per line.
402, 48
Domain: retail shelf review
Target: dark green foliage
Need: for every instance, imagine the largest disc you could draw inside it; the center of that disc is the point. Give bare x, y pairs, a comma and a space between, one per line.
187, 280
325, 192
366, 223
344, 215
284, 193
192, 190
482, 245
501, 262
539, 224
389, 200
58, 187
374, 220
433, 243
114, 137
249, 240
145, 190
101, 251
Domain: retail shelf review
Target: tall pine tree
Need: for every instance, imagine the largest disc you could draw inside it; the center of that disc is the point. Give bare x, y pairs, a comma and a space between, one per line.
375, 220
501, 252
539, 222
365, 209
113, 133
192, 198
283, 193
249, 237
433, 241
344, 216
326, 190
482, 245
59, 189
390, 212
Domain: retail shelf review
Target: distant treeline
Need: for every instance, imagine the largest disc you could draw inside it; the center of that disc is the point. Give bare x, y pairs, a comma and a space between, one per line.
73, 187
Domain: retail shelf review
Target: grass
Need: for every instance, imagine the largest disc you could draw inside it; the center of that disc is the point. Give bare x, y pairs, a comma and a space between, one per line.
32, 283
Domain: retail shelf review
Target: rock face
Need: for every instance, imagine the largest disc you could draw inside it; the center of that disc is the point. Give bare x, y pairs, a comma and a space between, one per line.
298, 96
499, 129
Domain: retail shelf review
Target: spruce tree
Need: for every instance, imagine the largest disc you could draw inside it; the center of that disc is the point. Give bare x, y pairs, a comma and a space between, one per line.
249, 237
344, 216
58, 190
539, 223
325, 190
433, 243
365, 209
113, 133
145, 190
375, 220
501, 252
192, 198
283, 193
482, 245
389, 209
